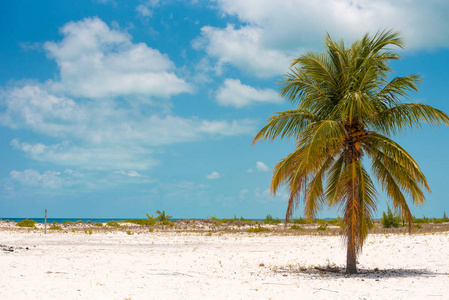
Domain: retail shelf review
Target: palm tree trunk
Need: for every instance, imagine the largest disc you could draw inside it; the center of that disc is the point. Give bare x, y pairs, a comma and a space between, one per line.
351, 267
351, 216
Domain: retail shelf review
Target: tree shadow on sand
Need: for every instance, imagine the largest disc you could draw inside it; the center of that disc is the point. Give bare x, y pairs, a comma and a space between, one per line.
340, 272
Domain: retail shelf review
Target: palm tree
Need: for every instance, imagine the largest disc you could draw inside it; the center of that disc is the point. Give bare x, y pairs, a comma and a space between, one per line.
346, 110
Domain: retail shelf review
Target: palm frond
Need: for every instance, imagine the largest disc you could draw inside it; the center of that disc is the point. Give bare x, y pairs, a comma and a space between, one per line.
398, 87
286, 124
392, 189
401, 162
406, 116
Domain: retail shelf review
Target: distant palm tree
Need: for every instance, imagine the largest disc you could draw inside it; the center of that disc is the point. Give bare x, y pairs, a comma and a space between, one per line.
346, 110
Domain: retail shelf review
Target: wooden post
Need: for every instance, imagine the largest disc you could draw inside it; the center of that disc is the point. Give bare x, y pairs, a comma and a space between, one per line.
45, 221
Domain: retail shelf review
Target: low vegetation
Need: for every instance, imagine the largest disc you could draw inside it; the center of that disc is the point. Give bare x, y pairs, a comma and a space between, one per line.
390, 222
55, 227
26, 223
113, 224
270, 220
296, 227
162, 217
322, 227
259, 229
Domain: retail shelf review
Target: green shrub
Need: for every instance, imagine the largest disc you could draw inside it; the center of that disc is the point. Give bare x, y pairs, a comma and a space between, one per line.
143, 222
67, 222
26, 223
390, 220
259, 229
98, 224
296, 227
129, 232
299, 221
445, 218
423, 220
55, 227
113, 224
321, 221
162, 217
322, 227
336, 222
216, 220
270, 220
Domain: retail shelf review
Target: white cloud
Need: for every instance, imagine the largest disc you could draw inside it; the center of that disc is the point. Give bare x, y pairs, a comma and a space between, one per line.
290, 23
146, 9
99, 135
250, 171
273, 32
49, 179
96, 61
104, 123
262, 195
234, 93
98, 110
243, 48
213, 175
262, 167
131, 173
243, 193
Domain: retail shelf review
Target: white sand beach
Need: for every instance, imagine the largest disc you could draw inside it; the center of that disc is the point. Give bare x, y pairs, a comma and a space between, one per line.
170, 265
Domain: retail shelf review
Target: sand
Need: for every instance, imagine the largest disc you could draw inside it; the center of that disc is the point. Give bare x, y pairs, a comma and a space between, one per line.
170, 265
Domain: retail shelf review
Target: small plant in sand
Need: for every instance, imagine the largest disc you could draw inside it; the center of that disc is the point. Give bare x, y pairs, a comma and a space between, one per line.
390, 219
296, 227
423, 220
55, 227
259, 229
150, 221
445, 218
26, 223
336, 222
216, 220
322, 227
129, 232
98, 224
270, 220
113, 224
163, 217
299, 221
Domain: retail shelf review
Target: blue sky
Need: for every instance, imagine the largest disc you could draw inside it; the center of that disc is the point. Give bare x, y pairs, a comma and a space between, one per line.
117, 108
